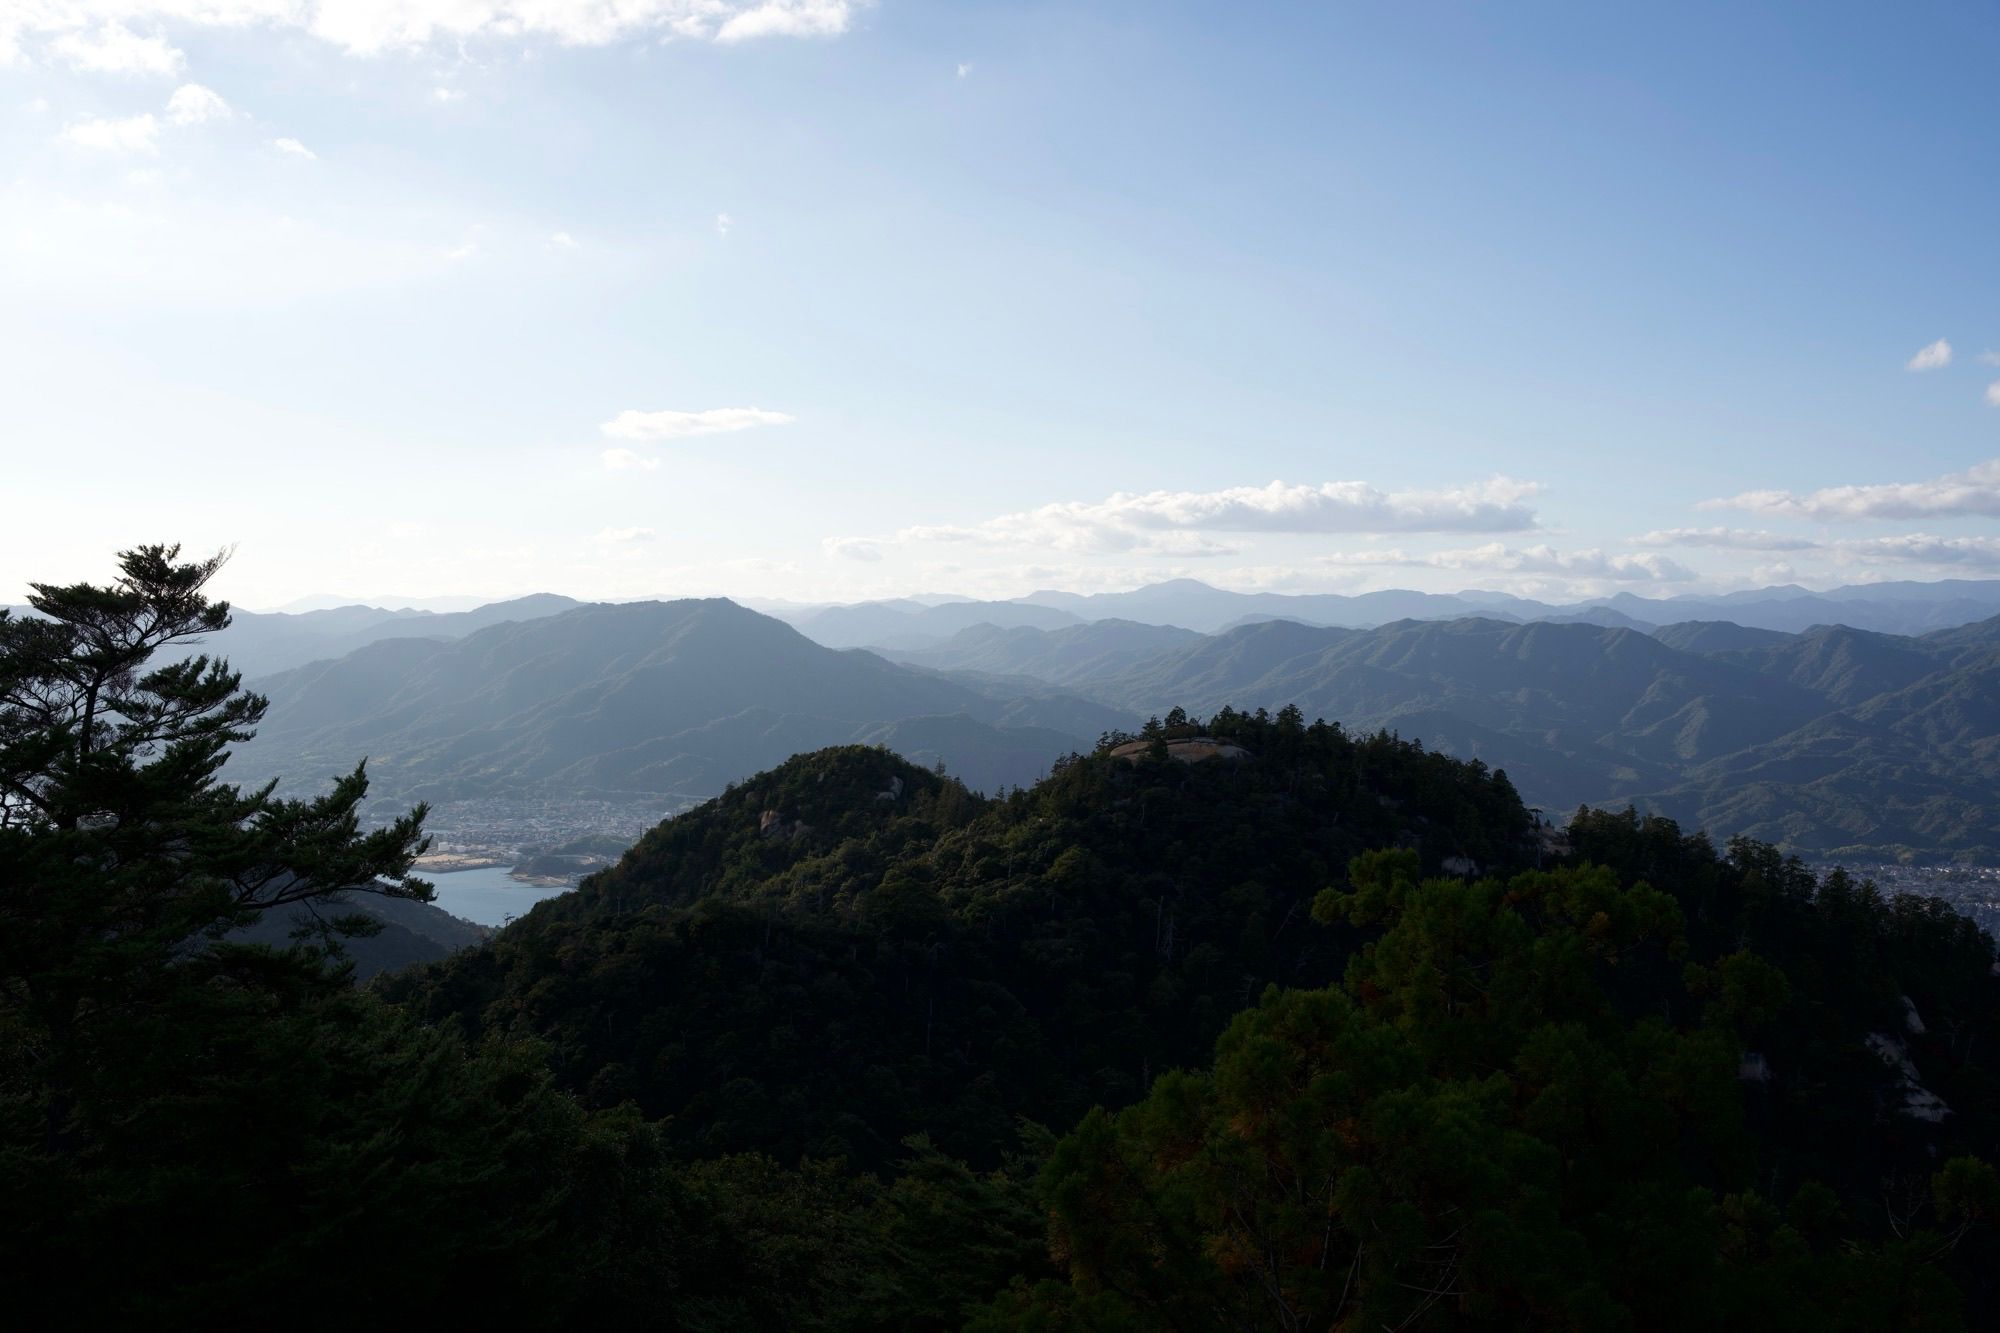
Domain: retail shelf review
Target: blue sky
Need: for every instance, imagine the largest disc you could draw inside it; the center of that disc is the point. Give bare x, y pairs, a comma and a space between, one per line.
817, 300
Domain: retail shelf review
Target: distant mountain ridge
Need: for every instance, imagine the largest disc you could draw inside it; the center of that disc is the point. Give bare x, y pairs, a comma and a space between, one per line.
258, 644
1831, 741
1894, 608
675, 698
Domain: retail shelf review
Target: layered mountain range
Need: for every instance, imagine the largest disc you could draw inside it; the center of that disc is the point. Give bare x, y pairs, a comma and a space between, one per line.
1891, 608
1834, 740
673, 698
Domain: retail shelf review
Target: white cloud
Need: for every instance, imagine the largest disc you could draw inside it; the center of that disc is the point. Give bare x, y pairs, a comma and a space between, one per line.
38, 107
1993, 393
723, 223
1984, 358
562, 240
1726, 539
133, 134
1166, 521
113, 49
1975, 491
1915, 548
625, 460
372, 27
625, 536
787, 18
682, 425
295, 148
964, 68
193, 104
442, 94
853, 548
1923, 549
1934, 357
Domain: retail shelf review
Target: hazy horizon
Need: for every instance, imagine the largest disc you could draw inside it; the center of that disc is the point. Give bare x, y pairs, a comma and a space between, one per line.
444, 603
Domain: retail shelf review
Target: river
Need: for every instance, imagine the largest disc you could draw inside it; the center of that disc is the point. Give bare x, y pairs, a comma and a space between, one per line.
488, 895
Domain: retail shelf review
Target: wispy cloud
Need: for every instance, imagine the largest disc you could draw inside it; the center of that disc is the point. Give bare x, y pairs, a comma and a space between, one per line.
723, 222
1914, 548
1171, 522
133, 134
1919, 548
787, 18
1973, 492
683, 425
1726, 539
295, 149
1934, 357
964, 69
853, 548
192, 104
1988, 358
111, 48
625, 460
625, 536
562, 240
1993, 394
378, 26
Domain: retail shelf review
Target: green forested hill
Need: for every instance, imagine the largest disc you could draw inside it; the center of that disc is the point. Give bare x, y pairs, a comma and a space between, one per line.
849, 949
1616, 1079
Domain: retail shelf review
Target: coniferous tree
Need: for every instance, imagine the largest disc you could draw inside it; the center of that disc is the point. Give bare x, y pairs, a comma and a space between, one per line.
122, 853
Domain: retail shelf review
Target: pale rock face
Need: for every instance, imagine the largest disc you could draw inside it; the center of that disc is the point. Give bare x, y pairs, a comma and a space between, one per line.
1919, 1102
771, 824
1753, 1068
1912, 1023
1460, 865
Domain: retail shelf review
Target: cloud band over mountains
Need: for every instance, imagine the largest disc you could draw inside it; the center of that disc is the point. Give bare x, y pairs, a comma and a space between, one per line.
1172, 522
1912, 548
1974, 492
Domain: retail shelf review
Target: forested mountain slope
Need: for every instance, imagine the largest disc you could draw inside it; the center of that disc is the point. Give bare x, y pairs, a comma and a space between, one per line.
1833, 741
1612, 1080
664, 697
1620, 711
849, 949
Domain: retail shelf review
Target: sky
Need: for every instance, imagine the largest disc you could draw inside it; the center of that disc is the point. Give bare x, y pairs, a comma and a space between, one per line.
828, 300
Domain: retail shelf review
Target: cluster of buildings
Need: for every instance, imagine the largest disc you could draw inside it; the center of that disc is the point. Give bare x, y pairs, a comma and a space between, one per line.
1973, 890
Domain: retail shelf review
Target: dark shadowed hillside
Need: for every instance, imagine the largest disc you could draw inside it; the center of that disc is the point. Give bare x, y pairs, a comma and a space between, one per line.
849, 949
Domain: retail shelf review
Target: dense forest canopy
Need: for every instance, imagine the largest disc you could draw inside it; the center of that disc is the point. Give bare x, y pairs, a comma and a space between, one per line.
1244, 1022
